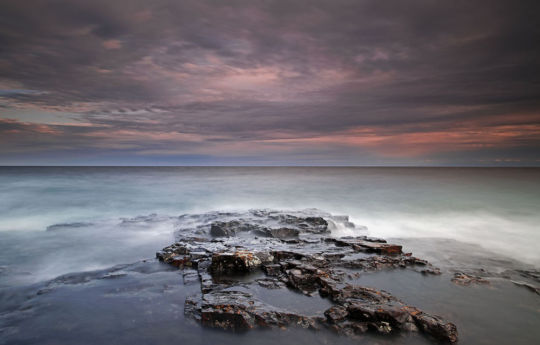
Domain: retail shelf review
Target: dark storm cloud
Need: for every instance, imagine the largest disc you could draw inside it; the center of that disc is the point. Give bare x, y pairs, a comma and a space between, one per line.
185, 75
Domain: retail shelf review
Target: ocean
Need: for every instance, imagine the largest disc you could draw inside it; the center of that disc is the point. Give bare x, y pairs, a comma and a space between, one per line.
56, 221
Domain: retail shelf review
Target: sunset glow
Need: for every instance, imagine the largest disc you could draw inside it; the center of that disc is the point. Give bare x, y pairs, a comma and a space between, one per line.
268, 83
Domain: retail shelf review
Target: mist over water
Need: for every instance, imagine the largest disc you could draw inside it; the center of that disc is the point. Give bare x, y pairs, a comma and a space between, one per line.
497, 209
74, 244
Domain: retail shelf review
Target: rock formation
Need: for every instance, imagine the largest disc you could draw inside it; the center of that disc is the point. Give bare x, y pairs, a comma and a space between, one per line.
293, 250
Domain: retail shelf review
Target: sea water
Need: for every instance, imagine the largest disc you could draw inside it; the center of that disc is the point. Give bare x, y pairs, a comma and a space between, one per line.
67, 220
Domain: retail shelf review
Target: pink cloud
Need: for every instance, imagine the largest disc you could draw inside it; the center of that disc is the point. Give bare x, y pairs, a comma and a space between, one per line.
404, 142
112, 44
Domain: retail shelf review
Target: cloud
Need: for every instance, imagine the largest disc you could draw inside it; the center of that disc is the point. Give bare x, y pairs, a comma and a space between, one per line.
430, 77
112, 44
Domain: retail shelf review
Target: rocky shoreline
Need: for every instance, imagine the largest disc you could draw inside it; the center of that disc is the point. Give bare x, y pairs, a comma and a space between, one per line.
229, 254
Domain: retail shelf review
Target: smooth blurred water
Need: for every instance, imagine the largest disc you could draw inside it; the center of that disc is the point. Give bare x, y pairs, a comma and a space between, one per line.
83, 208
495, 208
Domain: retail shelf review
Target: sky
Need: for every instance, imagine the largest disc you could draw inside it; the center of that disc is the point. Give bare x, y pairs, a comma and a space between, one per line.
259, 82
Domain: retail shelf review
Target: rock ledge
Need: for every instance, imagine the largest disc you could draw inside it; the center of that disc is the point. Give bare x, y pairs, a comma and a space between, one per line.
293, 250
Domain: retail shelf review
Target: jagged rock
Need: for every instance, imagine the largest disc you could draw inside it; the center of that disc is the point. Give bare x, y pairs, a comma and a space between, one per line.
385, 317
369, 245
235, 262
266, 257
281, 255
190, 277
284, 232
233, 227
464, 279
336, 314
532, 274
379, 248
240, 311
272, 270
270, 283
437, 327
374, 263
179, 261
222, 229
281, 233
431, 270
307, 283
314, 224
293, 250
192, 307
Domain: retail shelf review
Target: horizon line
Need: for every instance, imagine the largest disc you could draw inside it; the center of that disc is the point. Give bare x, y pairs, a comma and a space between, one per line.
270, 166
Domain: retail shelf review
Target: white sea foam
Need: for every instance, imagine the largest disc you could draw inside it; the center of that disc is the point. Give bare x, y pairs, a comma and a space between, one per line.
516, 237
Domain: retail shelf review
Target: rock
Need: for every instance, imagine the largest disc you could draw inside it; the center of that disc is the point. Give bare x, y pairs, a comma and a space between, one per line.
281, 255
350, 225
437, 327
528, 286
307, 224
532, 274
340, 218
236, 262
379, 248
180, 261
396, 314
224, 229
293, 251
143, 220
378, 262
284, 232
174, 259
190, 277
228, 310
240, 311
431, 270
67, 226
270, 283
305, 282
192, 307
266, 257
272, 270
314, 224
464, 279
233, 227
336, 314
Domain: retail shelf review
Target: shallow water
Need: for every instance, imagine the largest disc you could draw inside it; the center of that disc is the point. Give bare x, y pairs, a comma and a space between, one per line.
494, 314
55, 221
143, 303
139, 309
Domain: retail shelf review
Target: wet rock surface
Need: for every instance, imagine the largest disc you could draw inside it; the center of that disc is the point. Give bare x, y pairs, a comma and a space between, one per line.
465, 279
293, 251
528, 286
65, 226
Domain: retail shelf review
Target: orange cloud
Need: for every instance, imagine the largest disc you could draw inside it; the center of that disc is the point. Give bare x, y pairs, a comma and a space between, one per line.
9, 126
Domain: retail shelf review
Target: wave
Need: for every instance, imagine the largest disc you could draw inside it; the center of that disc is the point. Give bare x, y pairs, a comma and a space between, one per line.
516, 237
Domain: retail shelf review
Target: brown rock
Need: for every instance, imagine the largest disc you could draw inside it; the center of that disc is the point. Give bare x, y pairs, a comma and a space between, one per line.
241, 261
464, 279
